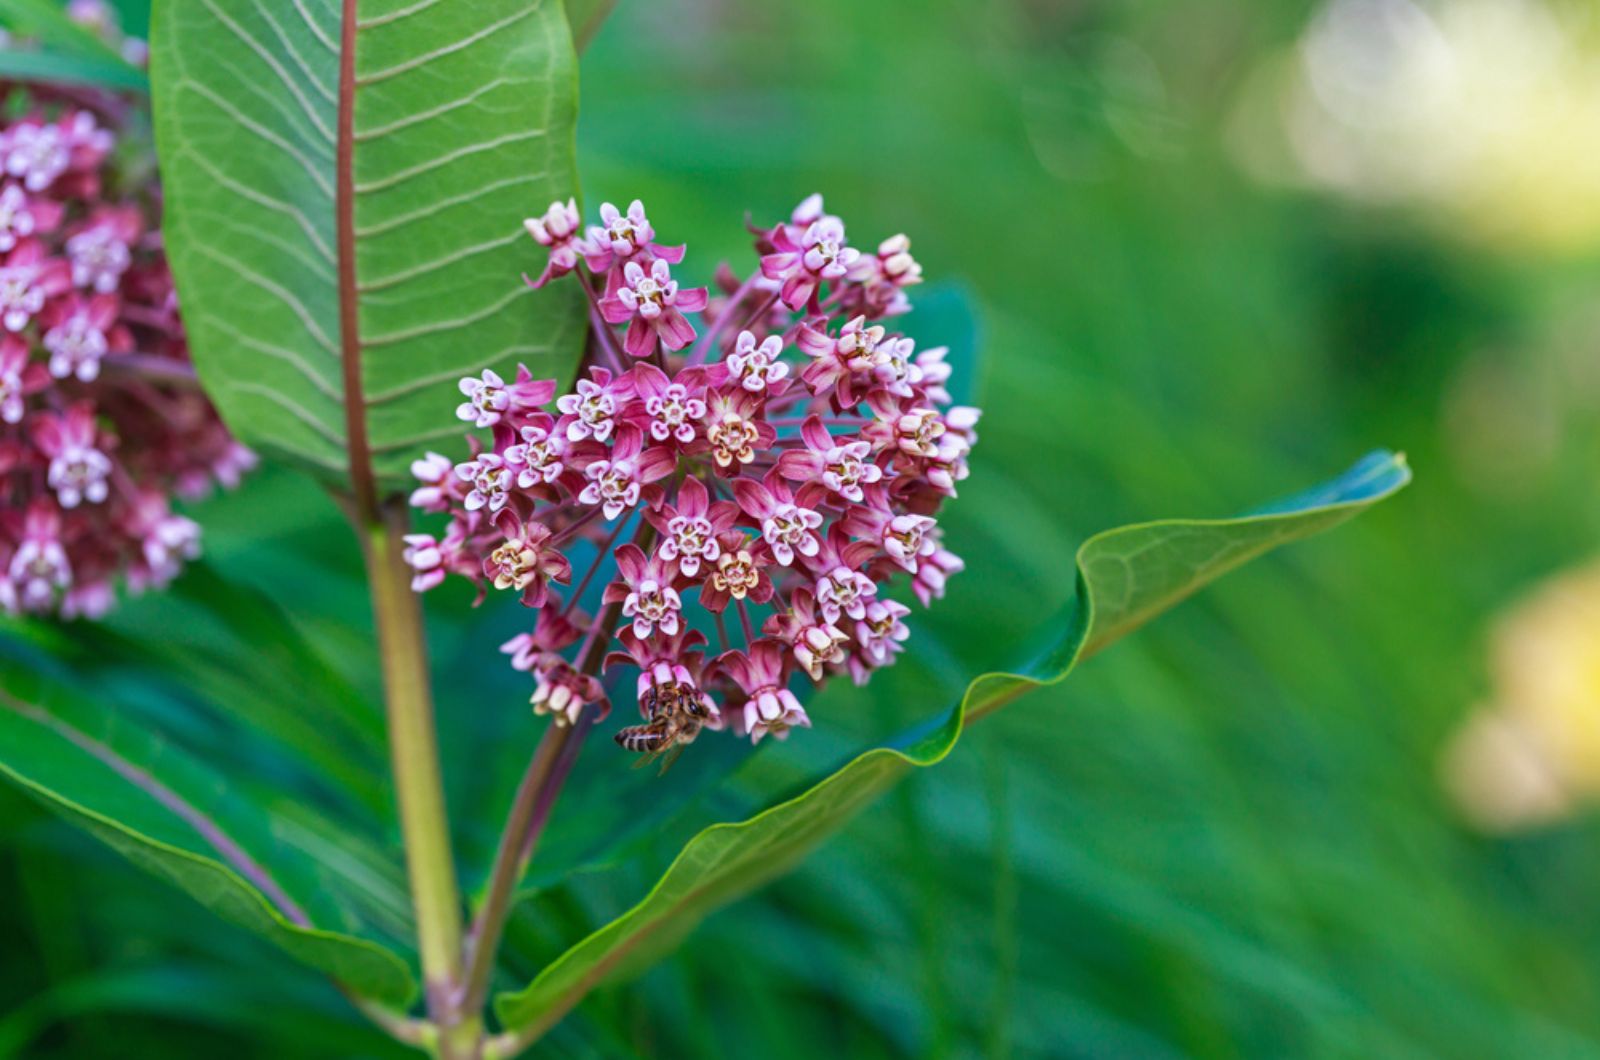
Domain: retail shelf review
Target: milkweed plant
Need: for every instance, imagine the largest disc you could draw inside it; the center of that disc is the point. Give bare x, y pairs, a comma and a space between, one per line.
707, 493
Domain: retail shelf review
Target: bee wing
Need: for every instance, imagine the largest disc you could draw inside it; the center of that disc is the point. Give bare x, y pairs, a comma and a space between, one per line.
668, 757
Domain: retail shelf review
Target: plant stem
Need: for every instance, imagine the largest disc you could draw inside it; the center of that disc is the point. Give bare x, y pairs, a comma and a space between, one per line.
530, 809
419, 786
151, 368
485, 936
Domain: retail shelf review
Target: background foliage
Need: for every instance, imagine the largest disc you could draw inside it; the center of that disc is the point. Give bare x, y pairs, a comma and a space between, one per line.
1227, 836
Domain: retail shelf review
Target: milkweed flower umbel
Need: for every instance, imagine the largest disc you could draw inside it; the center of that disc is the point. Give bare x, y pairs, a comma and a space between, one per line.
746, 495
101, 425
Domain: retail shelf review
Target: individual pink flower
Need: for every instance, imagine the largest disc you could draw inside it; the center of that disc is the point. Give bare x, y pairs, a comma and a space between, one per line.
561, 691
755, 367
78, 470
895, 262
21, 215
646, 593
540, 457
525, 560
841, 588
844, 363
171, 540
436, 477
893, 368
690, 528
101, 249
36, 153
673, 410
622, 237
844, 465
79, 332
916, 432
489, 399
431, 559
39, 568
27, 279
735, 429
906, 537
818, 256
787, 526
739, 573
813, 638
615, 484
880, 632
93, 600
488, 481
770, 708
589, 412
652, 306
556, 230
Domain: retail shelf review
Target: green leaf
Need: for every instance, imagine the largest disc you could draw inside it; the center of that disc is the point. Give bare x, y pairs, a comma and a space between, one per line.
347, 237
66, 68
1126, 577
60, 50
97, 768
46, 21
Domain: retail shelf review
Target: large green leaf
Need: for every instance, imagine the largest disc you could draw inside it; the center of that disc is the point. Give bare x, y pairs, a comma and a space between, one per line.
98, 768
347, 235
1126, 577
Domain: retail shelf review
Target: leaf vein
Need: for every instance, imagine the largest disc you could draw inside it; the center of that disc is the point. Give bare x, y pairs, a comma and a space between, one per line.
426, 267
447, 325
449, 49
266, 56
245, 121
446, 159
288, 297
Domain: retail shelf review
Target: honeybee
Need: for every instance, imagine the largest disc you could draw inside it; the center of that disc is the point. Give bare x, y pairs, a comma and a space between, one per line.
675, 714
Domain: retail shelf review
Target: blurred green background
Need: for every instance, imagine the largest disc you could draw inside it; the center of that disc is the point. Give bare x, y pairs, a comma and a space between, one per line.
1210, 267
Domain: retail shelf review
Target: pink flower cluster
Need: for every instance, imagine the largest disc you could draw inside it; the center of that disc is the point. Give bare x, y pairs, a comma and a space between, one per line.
759, 479
100, 420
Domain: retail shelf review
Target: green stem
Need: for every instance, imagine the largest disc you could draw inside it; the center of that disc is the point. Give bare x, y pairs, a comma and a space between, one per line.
521, 831
419, 786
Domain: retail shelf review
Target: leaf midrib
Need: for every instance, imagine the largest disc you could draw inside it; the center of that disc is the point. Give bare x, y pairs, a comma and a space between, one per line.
357, 447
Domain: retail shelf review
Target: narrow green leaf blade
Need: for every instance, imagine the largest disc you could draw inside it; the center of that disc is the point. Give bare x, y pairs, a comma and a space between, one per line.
461, 124
68, 68
46, 21
1125, 577
98, 771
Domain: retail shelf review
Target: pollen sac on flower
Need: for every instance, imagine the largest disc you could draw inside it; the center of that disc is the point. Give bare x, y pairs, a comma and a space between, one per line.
101, 425
750, 481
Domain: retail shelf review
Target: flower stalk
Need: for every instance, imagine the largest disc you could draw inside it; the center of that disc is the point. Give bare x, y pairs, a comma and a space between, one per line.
419, 786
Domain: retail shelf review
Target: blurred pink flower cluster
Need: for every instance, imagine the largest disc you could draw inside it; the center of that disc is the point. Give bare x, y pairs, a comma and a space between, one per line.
756, 481
100, 422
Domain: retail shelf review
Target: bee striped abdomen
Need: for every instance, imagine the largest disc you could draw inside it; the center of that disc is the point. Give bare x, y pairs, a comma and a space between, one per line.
644, 738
